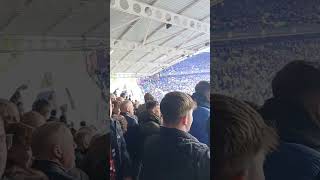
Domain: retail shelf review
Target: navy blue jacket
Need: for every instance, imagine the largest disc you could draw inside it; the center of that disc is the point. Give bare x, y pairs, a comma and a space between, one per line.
201, 115
119, 151
294, 162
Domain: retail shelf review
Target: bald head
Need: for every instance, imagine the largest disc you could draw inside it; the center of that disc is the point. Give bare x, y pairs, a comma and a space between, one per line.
9, 112
53, 141
33, 119
127, 107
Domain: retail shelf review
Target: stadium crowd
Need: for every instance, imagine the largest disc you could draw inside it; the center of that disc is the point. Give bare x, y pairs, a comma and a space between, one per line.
40, 143
166, 140
258, 15
182, 76
239, 62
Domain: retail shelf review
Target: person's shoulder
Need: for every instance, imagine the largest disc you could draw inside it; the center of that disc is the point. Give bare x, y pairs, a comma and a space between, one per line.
195, 147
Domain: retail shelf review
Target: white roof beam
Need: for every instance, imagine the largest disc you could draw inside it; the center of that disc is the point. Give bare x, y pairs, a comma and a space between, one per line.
161, 15
137, 46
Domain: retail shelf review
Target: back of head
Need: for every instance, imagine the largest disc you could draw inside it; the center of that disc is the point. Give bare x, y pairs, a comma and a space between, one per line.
150, 105
33, 119
175, 105
203, 87
54, 141
296, 78
148, 97
125, 105
296, 98
240, 137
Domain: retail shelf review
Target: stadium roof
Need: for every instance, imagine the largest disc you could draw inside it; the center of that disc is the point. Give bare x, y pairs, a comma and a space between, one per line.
150, 35
146, 35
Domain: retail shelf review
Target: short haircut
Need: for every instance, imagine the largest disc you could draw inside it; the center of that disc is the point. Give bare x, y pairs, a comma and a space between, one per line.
151, 104
37, 105
202, 87
148, 97
239, 133
175, 105
47, 135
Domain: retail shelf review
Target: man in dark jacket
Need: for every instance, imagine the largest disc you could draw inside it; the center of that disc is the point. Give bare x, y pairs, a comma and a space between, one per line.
150, 120
132, 135
202, 113
119, 153
174, 154
53, 149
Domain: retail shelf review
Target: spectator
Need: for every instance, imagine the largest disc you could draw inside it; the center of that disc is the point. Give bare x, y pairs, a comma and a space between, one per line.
116, 116
142, 107
9, 112
119, 158
150, 120
293, 110
174, 153
294, 106
241, 140
82, 139
132, 135
127, 111
53, 149
113, 97
202, 112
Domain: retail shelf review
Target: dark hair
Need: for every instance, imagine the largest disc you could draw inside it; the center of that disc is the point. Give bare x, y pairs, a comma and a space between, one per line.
296, 78
151, 104
123, 95
83, 123
202, 87
148, 97
39, 104
238, 132
175, 105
